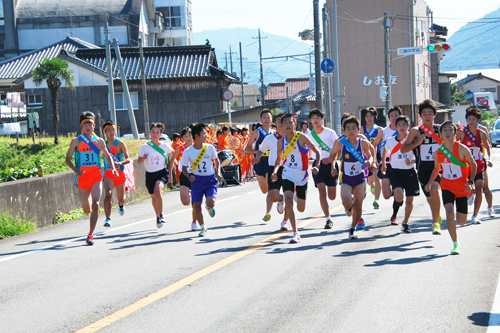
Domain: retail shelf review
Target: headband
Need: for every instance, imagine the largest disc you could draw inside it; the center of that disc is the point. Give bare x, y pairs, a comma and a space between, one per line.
87, 120
106, 126
472, 114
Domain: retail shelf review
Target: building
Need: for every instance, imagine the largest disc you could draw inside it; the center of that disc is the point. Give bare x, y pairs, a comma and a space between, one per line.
30, 25
476, 83
252, 96
362, 58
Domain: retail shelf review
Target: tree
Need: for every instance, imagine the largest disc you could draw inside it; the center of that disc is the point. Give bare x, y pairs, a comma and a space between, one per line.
52, 71
456, 95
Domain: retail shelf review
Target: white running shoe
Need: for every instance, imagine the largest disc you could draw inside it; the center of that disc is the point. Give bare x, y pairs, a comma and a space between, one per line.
352, 234
194, 227
280, 205
491, 213
283, 226
470, 201
476, 220
295, 238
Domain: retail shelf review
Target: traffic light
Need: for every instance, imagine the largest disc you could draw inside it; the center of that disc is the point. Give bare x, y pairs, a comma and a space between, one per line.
434, 48
384, 91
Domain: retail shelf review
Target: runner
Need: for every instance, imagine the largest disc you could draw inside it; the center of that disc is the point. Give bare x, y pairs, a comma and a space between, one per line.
389, 131
270, 143
204, 176
475, 139
375, 135
261, 168
425, 138
86, 149
293, 151
403, 174
156, 157
185, 184
120, 156
486, 188
352, 171
305, 127
176, 142
245, 163
324, 139
456, 185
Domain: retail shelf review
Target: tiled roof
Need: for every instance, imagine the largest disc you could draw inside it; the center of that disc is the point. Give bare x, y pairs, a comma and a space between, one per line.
65, 8
19, 66
472, 77
276, 91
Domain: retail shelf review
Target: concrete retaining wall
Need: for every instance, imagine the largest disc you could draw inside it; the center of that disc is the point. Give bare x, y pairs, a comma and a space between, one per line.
40, 198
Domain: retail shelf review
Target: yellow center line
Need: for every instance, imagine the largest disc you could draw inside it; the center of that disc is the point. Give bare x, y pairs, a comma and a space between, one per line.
162, 293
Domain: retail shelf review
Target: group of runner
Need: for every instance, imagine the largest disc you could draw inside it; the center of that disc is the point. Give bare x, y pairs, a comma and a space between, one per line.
392, 160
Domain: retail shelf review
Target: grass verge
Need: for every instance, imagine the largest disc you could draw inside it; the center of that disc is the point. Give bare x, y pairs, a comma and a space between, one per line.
14, 225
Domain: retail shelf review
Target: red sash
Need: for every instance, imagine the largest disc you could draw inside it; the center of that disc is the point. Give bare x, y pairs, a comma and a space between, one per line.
399, 145
472, 137
277, 135
430, 133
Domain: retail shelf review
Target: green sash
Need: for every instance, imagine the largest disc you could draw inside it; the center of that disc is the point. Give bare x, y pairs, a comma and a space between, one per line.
158, 149
323, 145
453, 159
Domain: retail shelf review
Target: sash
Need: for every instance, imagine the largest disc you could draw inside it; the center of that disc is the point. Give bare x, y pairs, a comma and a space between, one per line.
323, 145
263, 131
158, 149
430, 133
453, 159
115, 158
199, 157
277, 135
372, 132
382, 145
292, 144
399, 145
353, 151
90, 143
472, 137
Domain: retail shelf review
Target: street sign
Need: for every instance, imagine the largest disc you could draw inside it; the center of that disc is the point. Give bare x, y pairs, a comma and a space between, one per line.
410, 50
328, 75
327, 65
227, 95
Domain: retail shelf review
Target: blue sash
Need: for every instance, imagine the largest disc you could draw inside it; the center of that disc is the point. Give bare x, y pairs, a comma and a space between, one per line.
372, 132
382, 145
90, 144
263, 131
353, 151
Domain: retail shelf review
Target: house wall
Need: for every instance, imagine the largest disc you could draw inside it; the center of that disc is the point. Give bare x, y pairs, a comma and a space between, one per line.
82, 77
476, 85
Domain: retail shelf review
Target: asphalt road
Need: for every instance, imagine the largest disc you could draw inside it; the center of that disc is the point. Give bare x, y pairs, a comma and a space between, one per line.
245, 276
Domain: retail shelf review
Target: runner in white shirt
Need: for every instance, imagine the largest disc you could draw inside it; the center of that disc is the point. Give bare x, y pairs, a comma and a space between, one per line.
156, 157
324, 139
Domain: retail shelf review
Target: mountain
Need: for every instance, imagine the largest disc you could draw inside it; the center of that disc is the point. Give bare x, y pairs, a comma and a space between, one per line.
275, 70
476, 45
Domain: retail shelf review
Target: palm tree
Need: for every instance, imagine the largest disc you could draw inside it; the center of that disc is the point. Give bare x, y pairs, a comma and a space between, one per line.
52, 71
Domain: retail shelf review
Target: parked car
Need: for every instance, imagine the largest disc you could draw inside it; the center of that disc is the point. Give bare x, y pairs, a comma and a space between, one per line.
495, 133
131, 136
166, 139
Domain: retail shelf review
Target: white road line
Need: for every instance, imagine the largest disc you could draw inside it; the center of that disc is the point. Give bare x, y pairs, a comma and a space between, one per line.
494, 322
48, 247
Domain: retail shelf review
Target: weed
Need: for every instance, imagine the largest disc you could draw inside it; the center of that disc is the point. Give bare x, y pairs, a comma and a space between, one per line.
14, 225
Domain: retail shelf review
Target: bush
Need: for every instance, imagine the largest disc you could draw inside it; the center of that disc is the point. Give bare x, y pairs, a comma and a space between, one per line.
14, 225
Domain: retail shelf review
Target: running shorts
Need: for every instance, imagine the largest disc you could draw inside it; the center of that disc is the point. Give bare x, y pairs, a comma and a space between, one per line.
277, 184
290, 186
89, 178
449, 197
203, 186
153, 177
184, 181
262, 168
117, 180
406, 179
325, 175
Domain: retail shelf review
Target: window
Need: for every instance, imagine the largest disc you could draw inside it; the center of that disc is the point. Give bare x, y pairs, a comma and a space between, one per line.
491, 90
171, 16
121, 104
34, 99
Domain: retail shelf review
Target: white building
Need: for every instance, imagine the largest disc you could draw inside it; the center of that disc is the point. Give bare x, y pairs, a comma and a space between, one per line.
177, 22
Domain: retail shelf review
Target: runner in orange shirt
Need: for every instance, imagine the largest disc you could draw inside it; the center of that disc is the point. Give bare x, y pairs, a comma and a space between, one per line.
176, 142
221, 139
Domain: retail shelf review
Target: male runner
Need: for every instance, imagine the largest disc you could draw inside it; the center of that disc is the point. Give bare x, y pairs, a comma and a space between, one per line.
352, 149
204, 176
388, 131
119, 153
86, 149
403, 174
176, 142
425, 138
185, 184
456, 183
156, 156
270, 144
486, 188
293, 151
262, 167
324, 139
475, 139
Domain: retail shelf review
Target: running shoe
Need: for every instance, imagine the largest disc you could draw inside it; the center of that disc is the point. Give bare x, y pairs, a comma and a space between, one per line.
440, 220
329, 224
406, 228
266, 217
470, 201
361, 224
203, 233
211, 211
295, 238
194, 227
280, 205
90, 240
177, 185
107, 223
394, 221
352, 234
476, 220
159, 221
436, 229
284, 226
376, 204
456, 249
348, 212
121, 210
491, 213
372, 189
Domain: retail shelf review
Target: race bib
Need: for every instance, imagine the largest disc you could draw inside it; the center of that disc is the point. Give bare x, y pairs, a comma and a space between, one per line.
426, 151
476, 153
352, 168
399, 156
451, 171
89, 158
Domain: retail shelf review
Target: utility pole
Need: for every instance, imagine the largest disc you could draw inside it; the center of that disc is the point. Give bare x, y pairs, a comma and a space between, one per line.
263, 101
336, 69
317, 56
144, 93
225, 56
131, 116
387, 76
326, 54
109, 69
231, 58
242, 84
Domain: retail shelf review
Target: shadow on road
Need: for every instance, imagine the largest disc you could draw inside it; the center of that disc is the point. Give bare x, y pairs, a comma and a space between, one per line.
407, 261
483, 318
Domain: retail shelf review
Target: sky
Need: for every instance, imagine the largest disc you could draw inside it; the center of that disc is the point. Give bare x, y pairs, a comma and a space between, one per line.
288, 17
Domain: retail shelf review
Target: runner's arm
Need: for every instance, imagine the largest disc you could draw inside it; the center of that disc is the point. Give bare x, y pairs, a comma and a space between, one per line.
367, 149
486, 144
305, 141
464, 153
248, 147
378, 140
413, 141
435, 171
174, 156
383, 167
217, 169
122, 147
104, 150
279, 158
69, 155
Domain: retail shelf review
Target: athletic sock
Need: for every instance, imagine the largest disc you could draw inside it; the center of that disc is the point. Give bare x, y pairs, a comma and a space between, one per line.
455, 243
435, 223
327, 218
202, 226
395, 208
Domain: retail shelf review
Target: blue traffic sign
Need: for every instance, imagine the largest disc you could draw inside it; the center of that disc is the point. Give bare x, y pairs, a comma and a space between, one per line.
327, 65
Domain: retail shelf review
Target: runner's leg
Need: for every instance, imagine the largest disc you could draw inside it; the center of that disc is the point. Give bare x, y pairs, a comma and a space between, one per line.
386, 188
158, 199
95, 193
262, 183
109, 184
434, 201
408, 209
120, 194
450, 220
185, 196
478, 185
378, 186
359, 194
322, 189
289, 209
